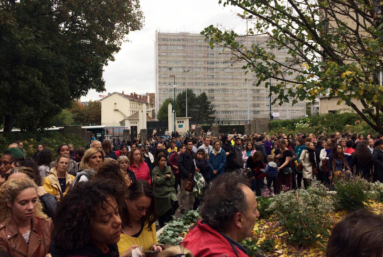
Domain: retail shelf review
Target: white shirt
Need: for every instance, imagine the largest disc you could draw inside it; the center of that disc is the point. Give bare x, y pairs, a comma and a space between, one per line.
207, 149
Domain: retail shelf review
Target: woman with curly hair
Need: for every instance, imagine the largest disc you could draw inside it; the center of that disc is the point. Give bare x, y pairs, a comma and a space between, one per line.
43, 160
48, 201
361, 159
23, 223
64, 150
139, 217
88, 222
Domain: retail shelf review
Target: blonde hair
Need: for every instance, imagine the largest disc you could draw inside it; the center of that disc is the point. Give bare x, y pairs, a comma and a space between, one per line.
123, 158
88, 153
62, 156
8, 193
270, 158
175, 250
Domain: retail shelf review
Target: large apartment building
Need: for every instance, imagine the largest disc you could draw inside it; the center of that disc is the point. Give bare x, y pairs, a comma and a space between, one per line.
198, 67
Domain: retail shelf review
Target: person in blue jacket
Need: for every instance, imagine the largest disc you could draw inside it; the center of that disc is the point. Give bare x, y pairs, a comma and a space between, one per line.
217, 160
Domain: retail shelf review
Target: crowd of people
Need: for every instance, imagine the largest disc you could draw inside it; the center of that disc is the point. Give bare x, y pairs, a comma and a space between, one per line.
110, 199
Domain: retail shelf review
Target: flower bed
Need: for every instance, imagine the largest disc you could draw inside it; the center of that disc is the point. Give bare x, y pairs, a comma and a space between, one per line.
296, 223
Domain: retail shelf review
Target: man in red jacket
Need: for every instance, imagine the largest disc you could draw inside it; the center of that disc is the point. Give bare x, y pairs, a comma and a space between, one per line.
228, 212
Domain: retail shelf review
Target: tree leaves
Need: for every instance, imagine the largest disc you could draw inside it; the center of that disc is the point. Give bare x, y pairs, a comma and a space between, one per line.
53, 51
333, 47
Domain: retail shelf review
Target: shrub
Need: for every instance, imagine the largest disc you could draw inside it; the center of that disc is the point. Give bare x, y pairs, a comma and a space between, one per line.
174, 232
264, 202
350, 194
376, 191
303, 215
51, 140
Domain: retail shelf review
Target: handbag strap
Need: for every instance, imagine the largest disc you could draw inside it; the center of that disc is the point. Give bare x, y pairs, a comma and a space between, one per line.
38, 248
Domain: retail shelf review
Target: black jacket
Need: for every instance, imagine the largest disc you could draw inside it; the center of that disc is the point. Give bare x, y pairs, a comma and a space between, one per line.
49, 203
186, 164
204, 167
360, 168
228, 148
88, 250
377, 161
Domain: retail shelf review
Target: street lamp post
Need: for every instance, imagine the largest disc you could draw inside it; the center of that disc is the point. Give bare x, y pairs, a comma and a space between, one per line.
247, 81
174, 87
186, 92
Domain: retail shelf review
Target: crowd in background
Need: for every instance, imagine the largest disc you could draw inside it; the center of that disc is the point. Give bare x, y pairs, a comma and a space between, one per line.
110, 198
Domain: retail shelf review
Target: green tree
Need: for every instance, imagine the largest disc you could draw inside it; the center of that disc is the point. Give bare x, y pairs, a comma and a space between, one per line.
92, 113
64, 118
181, 103
333, 47
199, 107
163, 111
204, 109
54, 51
77, 111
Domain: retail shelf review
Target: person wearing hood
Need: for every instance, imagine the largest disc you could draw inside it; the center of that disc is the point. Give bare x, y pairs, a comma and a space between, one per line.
308, 161
217, 161
272, 173
260, 147
59, 181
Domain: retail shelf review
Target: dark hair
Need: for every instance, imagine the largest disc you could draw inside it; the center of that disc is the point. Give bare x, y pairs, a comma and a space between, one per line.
107, 146
260, 138
201, 151
78, 208
160, 156
257, 156
111, 170
359, 234
363, 154
9, 154
187, 141
44, 157
59, 148
224, 138
30, 163
349, 143
80, 151
222, 200
194, 140
136, 190
180, 146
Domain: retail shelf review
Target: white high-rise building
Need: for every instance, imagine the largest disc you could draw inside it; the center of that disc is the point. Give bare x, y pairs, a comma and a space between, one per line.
198, 67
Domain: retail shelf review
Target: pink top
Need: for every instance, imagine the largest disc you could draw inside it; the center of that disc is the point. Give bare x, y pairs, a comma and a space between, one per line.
142, 172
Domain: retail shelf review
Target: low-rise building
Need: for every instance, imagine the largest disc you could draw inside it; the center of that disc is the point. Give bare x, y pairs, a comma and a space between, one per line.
330, 105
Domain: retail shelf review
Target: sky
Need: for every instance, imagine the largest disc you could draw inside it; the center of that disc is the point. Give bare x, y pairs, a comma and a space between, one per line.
134, 69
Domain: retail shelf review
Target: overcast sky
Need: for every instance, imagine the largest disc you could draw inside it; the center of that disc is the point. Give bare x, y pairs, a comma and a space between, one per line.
133, 68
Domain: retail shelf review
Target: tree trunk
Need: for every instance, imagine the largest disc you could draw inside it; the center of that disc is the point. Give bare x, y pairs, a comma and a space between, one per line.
8, 123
